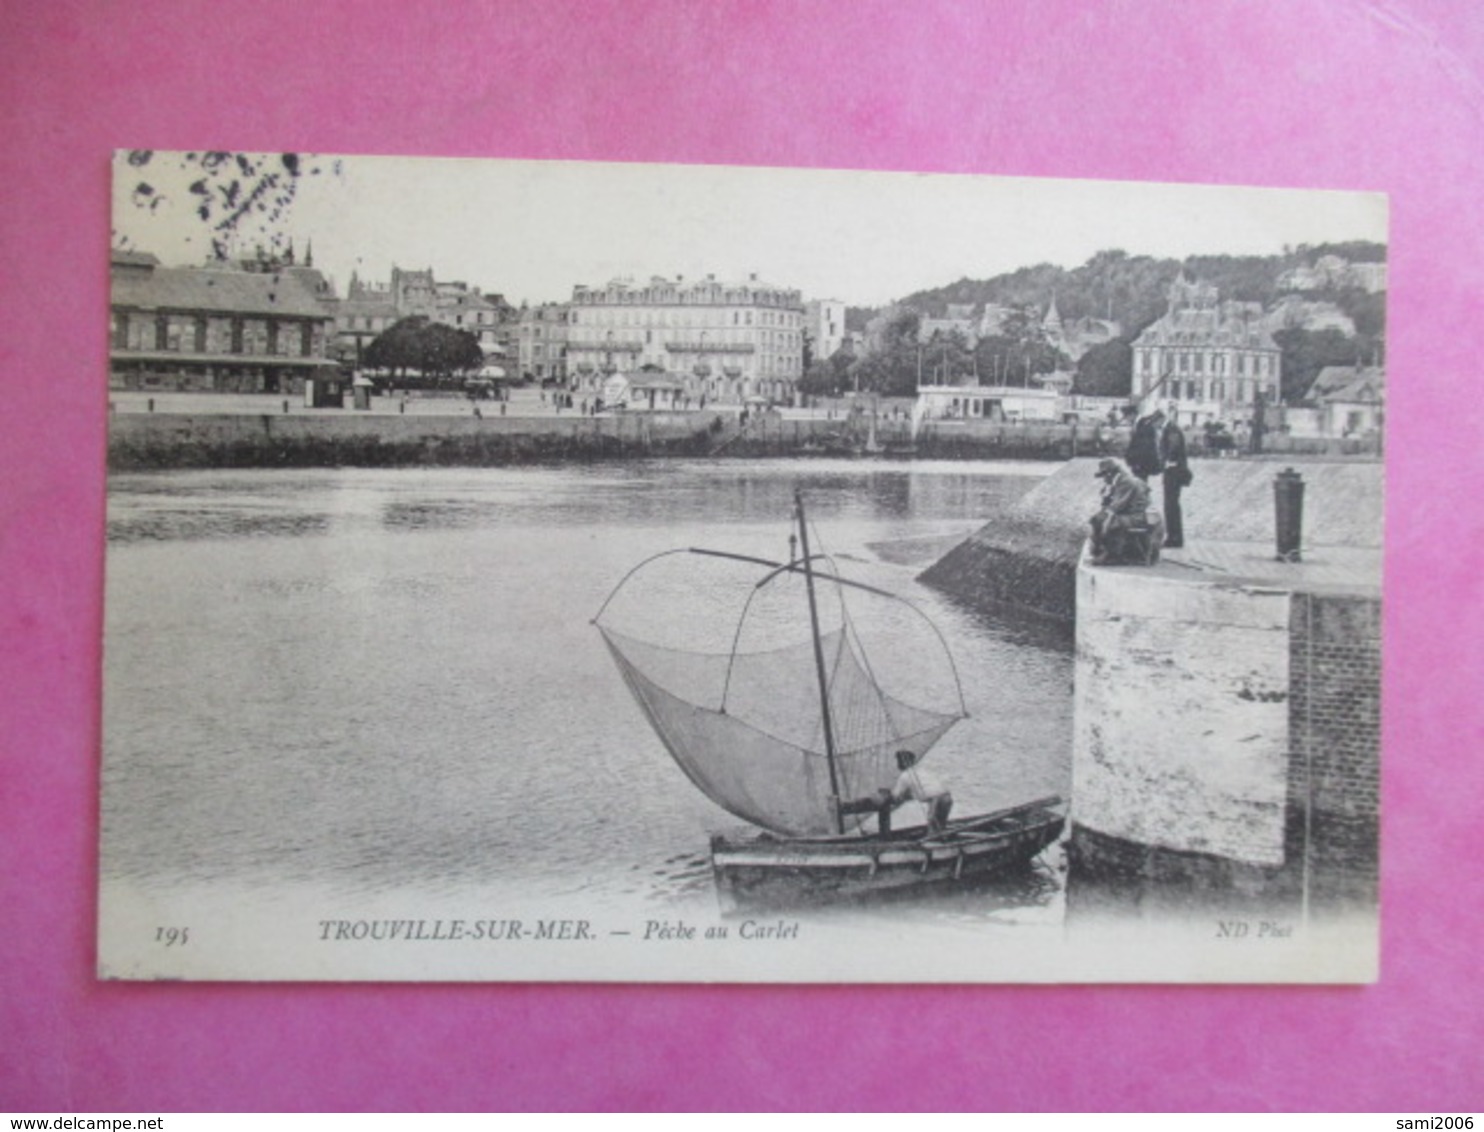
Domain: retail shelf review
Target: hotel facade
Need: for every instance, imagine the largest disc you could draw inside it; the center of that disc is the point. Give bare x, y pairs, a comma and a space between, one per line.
724, 342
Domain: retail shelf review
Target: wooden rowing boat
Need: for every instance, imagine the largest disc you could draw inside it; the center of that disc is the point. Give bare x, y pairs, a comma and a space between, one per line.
767, 871
804, 736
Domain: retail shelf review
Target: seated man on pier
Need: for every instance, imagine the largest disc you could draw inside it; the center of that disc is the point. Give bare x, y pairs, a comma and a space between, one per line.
1124, 530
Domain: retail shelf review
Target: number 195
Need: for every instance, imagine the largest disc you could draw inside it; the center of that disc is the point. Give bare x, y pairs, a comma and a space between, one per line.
171, 937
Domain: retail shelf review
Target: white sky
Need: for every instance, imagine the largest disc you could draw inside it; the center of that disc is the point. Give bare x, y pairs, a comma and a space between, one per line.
531, 230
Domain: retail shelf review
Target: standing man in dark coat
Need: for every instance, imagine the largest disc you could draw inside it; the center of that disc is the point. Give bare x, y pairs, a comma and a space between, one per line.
1176, 477
1144, 457
1259, 421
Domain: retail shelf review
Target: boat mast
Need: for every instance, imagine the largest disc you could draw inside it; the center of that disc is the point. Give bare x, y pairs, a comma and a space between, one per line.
824, 684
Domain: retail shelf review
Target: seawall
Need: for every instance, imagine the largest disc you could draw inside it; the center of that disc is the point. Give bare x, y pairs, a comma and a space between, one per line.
1028, 557
1226, 706
1226, 741
262, 436
308, 439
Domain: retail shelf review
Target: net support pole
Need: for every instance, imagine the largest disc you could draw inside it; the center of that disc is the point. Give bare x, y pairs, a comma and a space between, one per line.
824, 684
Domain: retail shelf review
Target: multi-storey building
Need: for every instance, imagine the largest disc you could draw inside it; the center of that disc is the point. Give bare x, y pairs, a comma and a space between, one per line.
541, 342
1332, 271
724, 341
958, 318
369, 308
824, 327
1213, 358
256, 327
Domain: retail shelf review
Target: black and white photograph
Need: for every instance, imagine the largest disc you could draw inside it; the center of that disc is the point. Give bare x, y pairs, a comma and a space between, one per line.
557, 571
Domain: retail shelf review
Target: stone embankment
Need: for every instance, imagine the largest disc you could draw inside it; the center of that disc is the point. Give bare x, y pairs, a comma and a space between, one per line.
139, 441
1226, 712
1028, 557
222, 434
313, 438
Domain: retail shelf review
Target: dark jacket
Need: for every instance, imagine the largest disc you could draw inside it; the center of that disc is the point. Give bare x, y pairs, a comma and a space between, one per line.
1144, 457
1176, 459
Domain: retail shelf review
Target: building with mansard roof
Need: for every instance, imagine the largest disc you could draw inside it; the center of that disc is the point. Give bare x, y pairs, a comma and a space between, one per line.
727, 342
1213, 358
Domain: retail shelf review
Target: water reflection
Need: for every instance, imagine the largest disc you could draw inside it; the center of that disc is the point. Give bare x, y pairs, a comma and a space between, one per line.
376, 678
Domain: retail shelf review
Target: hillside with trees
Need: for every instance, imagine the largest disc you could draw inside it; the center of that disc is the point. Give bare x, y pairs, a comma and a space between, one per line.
1129, 289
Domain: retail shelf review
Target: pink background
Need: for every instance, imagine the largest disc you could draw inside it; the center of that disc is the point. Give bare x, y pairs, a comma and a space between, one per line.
1383, 96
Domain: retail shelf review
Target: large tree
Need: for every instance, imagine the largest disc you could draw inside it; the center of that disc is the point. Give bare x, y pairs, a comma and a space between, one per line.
1018, 352
947, 359
1306, 352
434, 349
891, 370
1106, 370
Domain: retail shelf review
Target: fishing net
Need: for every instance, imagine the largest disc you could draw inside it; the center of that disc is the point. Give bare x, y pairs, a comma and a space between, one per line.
747, 727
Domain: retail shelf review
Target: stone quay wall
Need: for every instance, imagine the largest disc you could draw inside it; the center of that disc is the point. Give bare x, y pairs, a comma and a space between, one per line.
346, 437
1028, 556
1180, 714
1226, 728
139, 441
1243, 775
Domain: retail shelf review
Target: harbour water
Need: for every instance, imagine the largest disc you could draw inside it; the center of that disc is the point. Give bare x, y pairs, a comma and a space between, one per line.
359, 682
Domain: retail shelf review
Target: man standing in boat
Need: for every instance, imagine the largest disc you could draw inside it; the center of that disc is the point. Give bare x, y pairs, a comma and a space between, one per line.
916, 784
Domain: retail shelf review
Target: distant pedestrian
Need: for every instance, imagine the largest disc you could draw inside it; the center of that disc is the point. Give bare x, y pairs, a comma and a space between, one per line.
1176, 477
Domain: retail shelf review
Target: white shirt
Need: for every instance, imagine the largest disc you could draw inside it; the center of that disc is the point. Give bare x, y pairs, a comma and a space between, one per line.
918, 784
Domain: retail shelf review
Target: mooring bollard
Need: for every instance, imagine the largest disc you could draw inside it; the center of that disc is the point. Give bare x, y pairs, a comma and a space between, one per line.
1288, 503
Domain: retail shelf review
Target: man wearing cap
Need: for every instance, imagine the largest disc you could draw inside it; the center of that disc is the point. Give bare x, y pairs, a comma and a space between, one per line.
1125, 505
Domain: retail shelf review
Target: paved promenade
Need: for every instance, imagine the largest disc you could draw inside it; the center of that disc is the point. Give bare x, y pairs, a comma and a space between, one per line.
1336, 569
522, 403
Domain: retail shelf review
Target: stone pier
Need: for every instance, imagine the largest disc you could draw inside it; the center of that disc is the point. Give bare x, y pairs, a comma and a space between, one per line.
1227, 732
1226, 704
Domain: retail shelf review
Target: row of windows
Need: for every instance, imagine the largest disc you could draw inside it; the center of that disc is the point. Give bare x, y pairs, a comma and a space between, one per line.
1197, 361
666, 317
1240, 391
381, 322
787, 365
685, 297
200, 334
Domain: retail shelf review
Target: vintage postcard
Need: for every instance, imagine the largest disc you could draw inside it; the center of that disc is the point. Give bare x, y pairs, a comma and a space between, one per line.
556, 571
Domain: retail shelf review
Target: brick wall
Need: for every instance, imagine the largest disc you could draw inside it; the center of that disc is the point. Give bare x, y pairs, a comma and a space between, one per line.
1335, 744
